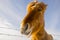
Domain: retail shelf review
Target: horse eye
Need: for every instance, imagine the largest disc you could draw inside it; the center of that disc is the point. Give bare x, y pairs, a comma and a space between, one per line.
39, 9
33, 4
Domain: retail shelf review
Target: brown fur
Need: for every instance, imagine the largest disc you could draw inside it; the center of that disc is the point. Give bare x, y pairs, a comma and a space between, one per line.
35, 20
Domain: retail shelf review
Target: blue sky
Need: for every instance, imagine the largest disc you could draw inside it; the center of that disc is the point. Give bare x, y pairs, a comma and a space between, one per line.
13, 12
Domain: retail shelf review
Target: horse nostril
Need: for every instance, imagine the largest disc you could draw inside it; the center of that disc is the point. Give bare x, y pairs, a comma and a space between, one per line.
26, 26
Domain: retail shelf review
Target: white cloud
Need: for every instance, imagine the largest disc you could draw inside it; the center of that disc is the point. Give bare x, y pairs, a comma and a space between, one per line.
9, 34
7, 10
4, 25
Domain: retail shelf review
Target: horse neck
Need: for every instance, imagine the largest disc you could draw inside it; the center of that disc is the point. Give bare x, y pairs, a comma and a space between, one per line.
39, 35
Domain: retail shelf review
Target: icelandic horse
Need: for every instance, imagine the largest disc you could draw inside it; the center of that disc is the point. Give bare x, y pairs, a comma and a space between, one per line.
33, 23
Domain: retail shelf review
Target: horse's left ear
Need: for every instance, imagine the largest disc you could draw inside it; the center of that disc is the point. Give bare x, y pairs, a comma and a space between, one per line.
45, 6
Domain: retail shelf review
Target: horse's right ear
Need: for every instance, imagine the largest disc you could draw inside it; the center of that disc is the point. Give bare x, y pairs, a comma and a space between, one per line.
46, 5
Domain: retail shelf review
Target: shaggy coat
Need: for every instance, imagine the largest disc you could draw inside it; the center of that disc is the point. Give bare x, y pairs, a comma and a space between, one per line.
33, 23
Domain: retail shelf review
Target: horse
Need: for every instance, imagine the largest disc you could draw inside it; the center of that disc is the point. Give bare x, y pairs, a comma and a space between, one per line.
33, 23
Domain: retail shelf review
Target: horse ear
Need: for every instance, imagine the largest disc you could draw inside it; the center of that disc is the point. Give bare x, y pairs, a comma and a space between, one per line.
46, 5
42, 3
